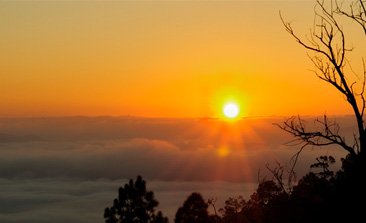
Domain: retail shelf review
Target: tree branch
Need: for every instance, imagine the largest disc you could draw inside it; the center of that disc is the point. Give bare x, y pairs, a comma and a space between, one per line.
359, 15
328, 135
328, 43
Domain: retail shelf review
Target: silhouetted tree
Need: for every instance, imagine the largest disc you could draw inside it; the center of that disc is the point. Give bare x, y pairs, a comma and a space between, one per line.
194, 210
329, 196
160, 218
328, 51
213, 218
308, 201
135, 204
233, 210
321, 195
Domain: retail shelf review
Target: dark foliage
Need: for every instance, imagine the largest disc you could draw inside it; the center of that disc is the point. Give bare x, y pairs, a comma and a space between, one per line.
194, 210
134, 205
320, 196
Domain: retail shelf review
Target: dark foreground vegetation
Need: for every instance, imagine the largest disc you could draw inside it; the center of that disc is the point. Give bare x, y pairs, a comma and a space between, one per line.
321, 195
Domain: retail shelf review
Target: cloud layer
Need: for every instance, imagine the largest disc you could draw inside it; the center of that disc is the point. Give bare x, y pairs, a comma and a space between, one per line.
71, 200
69, 169
162, 149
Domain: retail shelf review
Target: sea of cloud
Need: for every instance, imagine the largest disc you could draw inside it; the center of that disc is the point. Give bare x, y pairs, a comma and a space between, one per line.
69, 169
78, 200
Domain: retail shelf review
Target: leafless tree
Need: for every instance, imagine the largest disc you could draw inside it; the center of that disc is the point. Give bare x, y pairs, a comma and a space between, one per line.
284, 177
212, 201
328, 52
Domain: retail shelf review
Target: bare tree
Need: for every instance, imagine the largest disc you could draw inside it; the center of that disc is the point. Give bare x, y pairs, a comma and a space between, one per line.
328, 52
357, 12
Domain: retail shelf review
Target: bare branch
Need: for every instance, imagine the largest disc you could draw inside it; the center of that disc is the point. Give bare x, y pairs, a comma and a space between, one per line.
363, 89
277, 173
328, 135
290, 30
357, 13
328, 44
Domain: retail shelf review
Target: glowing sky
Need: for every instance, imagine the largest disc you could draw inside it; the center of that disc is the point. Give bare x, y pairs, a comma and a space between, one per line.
174, 59
157, 59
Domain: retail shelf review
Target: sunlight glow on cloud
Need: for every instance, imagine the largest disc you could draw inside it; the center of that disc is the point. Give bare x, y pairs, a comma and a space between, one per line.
162, 149
69, 169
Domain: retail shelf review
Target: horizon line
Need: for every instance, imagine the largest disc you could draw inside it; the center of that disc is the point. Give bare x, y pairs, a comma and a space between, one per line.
165, 117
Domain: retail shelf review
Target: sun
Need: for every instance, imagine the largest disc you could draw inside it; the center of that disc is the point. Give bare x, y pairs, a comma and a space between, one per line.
231, 110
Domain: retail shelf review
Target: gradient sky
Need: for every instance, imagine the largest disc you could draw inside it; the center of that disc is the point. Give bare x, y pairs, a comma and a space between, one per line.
157, 59
174, 59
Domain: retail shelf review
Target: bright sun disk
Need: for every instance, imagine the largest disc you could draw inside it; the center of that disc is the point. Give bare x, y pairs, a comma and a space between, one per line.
231, 110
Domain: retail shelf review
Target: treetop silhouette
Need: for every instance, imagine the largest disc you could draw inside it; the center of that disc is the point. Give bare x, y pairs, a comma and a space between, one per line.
135, 204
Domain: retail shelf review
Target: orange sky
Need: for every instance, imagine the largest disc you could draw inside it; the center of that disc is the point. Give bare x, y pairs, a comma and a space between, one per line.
158, 59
